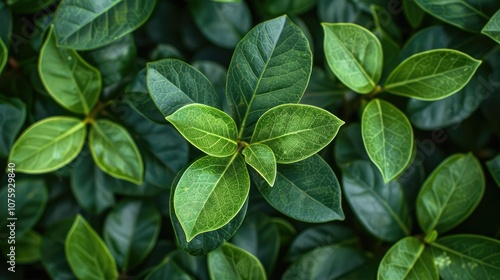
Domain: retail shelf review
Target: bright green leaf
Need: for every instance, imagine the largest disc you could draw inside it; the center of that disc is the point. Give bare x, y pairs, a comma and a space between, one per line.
413, 13
48, 145
388, 137
492, 28
494, 168
231, 262
69, 79
115, 152
207, 128
354, 54
3, 55
261, 158
432, 75
210, 193
13, 115
451, 193
295, 132
408, 259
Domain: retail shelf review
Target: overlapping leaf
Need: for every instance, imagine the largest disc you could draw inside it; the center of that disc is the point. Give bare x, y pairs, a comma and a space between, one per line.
261, 158
231, 262
494, 167
492, 28
13, 114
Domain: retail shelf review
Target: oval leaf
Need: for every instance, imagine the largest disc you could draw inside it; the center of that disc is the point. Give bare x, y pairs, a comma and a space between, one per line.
307, 191
295, 132
115, 152
231, 262
48, 145
261, 158
492, 28
450, 193
388, 137
208, 129
432, 75
13, 115
92, 24
210, 194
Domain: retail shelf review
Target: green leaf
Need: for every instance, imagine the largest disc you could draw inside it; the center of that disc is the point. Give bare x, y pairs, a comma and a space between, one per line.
180, 265
168, 269
432, 75
207, 128
349, 145
345, 11
210, 194
450, 194
173, 84
460, 13
231, 262
29, 6
492, 28
291, 7
13, 115
69, 79
296, 192
28, 247
494, 168
48, 145
295, 132
115, 152
381, 208
3, 55
354, 54
413, 13
261, 158
408, 259
6, 25
388, 137
89, 25
323, 90
270, 66
54, 259
467, 256
87, 255
130, 231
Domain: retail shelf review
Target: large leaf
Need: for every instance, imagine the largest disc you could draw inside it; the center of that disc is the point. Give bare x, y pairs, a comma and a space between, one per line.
492, 28
130, 231
262, 159
12, 115
87, 255
115, 152
173, 84
467, 256
388, 137
307, 191
208, 129
69, 79
3, 55
450, 193
92, 24
270, 66
48, 145
381, 208
231, 262
408, 259
354, 54
494, 168
432, 75
210, 193
295, 132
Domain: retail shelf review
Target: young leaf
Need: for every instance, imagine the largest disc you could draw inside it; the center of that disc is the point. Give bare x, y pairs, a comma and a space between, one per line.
261, 158
467, 256
354, 54
450, 193
413, 13
208, 129
87, 254
270, 66
173, 84
408, 259
3, 55
13, 115
210, 194
69, 79
115, 152
231, 262
295, 132
492, 28
89, 25
48, 145
388, 137
494, 168
432, 75
296, 192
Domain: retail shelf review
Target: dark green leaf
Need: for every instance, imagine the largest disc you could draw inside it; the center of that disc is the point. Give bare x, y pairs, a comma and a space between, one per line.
322, 90
5, 24
343, 11
492, 28
28, 247
29, 6
494, 168
231, 262
413, 13
349, 145
12, 114
434, 37
291, 7
179, 265
261, 158
54, 259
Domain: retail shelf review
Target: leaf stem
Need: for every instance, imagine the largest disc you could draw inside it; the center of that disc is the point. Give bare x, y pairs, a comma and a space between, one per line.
100, 106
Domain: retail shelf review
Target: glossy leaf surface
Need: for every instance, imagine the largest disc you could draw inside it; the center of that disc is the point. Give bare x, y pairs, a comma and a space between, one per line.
261, 158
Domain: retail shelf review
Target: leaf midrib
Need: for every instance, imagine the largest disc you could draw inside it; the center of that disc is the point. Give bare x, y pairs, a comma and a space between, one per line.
80, 93
462, 255
290, 133
412, 266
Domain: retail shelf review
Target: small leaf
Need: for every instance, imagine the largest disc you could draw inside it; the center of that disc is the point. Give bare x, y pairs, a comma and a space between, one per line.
494, 168
261, 158
13, 115
89, 25
69, 79
492, 28
467, 256
208, 129
295, 132
231, 262
354, 54
87, 254
115, 152
48, 145
450, 194
388, 137
210, 193
413, 13
432, 75
408, 259
3, 55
